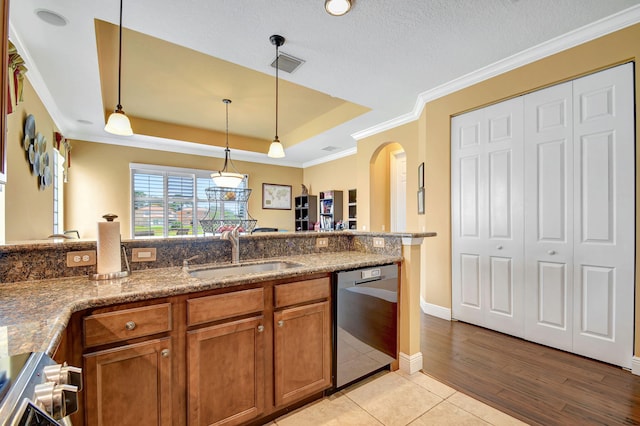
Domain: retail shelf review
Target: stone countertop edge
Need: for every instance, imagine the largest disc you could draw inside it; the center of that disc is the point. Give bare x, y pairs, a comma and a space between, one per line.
34, 314
57, 243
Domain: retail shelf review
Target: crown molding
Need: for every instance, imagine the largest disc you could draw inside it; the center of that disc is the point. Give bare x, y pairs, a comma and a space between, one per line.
332, 157
566, 41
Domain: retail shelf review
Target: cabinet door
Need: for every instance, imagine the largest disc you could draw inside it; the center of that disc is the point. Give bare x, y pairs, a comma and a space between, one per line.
226, 372
302, 351
130, 385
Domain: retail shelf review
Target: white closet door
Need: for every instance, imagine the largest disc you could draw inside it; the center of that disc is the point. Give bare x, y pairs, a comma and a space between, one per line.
548, 165
487, 217
604, 231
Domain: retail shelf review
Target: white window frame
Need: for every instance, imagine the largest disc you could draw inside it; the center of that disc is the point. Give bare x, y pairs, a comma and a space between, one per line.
165, 171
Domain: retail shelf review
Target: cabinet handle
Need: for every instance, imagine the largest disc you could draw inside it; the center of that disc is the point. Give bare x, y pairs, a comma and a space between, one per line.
130, 325
551, 252
260, 328
165, 353
280, 323
499, 247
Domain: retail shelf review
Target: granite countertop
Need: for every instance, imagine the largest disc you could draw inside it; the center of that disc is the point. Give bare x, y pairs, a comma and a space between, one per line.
34, 314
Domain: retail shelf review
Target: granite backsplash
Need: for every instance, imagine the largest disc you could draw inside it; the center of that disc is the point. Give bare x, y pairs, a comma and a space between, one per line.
46, 260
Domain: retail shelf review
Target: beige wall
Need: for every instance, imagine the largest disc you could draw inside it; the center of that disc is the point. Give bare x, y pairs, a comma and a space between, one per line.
338, 175
29, 211
99, 182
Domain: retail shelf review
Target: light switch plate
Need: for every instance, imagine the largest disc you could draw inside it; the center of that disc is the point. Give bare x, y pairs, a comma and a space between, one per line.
322, 242
143, 255
81, 258
378, 242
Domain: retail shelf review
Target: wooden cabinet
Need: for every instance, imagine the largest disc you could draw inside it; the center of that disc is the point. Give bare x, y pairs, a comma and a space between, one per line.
352, 218
223, 357
226, 372
302, 352
129, 385
302, 340
306, 212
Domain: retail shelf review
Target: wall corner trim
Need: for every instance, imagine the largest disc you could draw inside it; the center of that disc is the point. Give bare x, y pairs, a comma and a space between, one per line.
635, 365
602, 27
410, 364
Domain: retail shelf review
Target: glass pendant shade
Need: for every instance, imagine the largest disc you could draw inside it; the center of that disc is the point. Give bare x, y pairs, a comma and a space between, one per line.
119, 124
276, 150
337, 7
227, 179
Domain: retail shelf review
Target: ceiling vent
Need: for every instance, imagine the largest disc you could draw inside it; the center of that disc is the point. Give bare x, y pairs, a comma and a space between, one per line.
330, 148
287, 63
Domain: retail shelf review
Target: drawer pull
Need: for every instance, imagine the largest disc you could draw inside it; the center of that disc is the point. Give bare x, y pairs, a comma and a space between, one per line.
260, 328
165, 353
280, 323
130, 325
551, 252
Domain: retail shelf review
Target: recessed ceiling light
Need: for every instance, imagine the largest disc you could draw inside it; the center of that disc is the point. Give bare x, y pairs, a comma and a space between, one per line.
51, 17
337, 7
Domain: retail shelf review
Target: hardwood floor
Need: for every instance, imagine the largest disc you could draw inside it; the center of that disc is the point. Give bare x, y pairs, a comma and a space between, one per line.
534, 383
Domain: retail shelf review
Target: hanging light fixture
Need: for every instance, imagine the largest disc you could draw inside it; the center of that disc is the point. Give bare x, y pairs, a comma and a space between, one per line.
337, 7
225, 178
275, 149
118, 123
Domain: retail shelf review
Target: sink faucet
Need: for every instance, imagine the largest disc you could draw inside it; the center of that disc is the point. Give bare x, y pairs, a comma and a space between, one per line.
234, 238
185, 263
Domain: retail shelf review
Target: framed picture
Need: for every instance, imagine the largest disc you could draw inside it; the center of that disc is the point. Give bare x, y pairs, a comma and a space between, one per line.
421, 201
276, 197
421, 175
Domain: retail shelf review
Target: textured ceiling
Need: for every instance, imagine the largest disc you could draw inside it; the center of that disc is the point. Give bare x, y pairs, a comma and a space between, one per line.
361, 69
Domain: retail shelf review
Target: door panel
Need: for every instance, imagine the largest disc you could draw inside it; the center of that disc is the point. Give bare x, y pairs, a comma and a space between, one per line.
501, 286
605, 225
548, 216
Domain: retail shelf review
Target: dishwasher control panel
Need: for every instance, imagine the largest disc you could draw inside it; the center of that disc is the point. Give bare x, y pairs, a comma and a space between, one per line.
368, 274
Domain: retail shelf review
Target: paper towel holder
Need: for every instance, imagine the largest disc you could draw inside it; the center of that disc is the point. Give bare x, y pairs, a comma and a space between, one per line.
113, 275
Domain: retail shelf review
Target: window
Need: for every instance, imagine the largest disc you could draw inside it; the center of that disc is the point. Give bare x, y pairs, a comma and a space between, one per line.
171, 201
58, 192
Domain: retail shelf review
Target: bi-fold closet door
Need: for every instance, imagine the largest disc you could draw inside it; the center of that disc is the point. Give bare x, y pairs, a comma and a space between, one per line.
563, 274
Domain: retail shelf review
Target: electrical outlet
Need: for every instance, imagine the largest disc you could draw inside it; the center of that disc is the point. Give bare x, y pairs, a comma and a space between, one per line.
378, 242
143, 255
81, 258
322, 242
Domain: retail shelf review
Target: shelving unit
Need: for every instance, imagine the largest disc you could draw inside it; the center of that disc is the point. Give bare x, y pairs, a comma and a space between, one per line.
353, 210
306, 212
330, 209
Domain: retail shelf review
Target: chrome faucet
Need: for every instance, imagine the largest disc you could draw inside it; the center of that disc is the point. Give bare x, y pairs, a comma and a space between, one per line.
185, 263
234, 238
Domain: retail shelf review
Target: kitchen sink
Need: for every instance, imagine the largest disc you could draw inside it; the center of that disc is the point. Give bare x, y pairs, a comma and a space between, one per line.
242, 268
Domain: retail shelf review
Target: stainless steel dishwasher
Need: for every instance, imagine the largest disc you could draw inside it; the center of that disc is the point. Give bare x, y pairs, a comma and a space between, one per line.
365, 322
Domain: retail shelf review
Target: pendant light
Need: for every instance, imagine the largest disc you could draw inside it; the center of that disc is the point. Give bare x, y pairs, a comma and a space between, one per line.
337, 7
225, 178
118, 123
275, 149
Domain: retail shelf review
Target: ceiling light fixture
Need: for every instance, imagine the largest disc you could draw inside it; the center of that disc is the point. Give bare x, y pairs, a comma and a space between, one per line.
225, 178
337, 7
275, 149
118, 123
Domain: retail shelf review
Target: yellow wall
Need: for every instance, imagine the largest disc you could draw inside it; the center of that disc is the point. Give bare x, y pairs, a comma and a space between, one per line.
373, 177
338, 175
99, 182
433, 138
29, 210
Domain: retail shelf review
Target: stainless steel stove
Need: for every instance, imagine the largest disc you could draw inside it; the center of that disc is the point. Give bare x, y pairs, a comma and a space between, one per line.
35, 391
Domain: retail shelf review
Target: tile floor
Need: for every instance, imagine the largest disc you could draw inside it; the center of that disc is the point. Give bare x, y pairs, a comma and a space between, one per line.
397, 399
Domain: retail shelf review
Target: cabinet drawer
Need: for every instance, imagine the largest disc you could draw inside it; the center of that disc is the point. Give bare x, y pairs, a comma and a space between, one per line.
301, 292
110, 327
227, 305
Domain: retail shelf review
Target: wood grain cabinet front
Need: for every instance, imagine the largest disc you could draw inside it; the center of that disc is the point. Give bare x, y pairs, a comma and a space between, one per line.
226, 372
129, 385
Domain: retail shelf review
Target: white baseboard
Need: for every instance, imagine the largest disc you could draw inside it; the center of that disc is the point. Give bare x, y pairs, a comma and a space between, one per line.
435, 310
635, 365
410, 364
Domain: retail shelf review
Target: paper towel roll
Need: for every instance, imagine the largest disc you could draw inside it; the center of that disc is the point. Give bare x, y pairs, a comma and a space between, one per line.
109, 247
